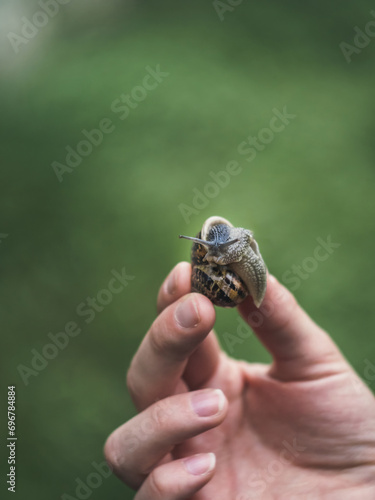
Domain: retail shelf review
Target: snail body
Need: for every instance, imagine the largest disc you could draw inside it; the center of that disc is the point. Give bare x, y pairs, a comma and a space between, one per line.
226, 264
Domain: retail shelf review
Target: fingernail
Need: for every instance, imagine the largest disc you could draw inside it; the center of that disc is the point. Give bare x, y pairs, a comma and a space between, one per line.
200, 464
187, 314
172, 282
208, 403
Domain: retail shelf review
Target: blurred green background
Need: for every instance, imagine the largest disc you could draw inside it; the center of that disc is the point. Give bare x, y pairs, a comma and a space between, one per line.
121, 206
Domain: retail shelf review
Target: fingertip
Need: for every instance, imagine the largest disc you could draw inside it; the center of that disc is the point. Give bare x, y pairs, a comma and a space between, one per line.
200, 464
180, 274
194, 312
275, 287
176, 284
177, 279
210, 404
271, 279
179, 479
223, 402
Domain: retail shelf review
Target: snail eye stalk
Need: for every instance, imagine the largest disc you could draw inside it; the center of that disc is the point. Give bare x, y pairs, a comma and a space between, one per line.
227, 243
209, 243
198, 240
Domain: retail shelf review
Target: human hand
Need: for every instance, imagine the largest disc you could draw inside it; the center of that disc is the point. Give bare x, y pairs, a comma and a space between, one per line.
300, 428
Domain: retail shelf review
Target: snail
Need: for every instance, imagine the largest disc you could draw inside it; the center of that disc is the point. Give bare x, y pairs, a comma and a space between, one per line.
226, 264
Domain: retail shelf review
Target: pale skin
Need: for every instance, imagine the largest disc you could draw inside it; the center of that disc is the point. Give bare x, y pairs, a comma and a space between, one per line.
300, 428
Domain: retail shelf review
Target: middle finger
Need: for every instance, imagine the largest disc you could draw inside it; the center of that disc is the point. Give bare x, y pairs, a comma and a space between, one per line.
136, 447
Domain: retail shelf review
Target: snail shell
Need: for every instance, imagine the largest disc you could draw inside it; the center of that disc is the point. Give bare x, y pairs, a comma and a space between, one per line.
226, 264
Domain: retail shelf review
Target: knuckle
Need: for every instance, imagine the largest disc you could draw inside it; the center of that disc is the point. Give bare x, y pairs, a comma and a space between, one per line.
160, 303
110, 453
159, 341
162, 414
134, 387
131, 381
121, 463
157, 485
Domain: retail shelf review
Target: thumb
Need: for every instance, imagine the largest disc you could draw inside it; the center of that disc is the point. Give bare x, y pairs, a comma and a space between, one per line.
299, 347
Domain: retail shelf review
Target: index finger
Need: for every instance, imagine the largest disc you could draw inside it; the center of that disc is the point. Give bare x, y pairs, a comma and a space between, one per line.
157, 367
203, 361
